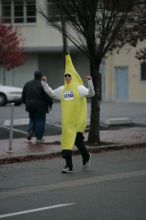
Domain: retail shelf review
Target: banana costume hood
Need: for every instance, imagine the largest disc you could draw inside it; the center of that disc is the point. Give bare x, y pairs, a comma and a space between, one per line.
74, 108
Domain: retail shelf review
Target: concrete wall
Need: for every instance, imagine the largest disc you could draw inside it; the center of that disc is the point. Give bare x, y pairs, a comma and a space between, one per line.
24, 73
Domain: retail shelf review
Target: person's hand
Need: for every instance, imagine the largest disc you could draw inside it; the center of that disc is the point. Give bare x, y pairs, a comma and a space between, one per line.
88, 77
44, 78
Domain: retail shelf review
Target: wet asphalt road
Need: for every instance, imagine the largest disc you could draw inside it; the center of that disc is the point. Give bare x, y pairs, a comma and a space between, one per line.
113, 188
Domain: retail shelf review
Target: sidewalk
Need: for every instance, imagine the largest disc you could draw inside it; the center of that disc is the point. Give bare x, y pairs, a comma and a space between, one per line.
134, 137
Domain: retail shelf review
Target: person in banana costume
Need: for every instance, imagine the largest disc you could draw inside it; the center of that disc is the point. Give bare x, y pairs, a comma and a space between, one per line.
74, 112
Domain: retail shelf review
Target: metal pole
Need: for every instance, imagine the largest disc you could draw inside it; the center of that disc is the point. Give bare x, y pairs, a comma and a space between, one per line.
11, 128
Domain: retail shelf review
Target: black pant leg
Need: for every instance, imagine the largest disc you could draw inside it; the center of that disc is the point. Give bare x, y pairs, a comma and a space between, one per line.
79, 142
67, 155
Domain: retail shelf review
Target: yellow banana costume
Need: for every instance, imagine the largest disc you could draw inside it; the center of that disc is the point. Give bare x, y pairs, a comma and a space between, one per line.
74, 108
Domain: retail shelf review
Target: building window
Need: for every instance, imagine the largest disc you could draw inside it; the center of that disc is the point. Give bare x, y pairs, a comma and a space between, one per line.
143, 71
53, 10
18, 11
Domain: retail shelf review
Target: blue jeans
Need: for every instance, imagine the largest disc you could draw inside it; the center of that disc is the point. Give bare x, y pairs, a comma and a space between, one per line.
37, 124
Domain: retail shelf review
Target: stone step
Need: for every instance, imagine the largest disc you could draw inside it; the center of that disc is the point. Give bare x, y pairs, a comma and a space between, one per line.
117, 121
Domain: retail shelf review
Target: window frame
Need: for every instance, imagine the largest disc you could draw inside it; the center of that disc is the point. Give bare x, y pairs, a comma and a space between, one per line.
143, 72
53, 11
24, 17
50, 10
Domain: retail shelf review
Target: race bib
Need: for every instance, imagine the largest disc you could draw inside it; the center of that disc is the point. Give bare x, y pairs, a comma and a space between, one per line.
68, 95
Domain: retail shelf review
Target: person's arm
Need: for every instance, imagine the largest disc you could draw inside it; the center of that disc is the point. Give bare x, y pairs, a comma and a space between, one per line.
23, 95
49, 100
56, 94
87, 92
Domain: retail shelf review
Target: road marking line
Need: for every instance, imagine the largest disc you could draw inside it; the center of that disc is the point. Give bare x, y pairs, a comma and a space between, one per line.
35, 210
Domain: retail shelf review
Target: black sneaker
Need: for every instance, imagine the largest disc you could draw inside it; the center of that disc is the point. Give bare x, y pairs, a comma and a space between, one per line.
29, 135
87, 163
67, 170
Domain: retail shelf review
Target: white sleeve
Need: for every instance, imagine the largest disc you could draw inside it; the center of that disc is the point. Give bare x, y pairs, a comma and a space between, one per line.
56, 93
87, 92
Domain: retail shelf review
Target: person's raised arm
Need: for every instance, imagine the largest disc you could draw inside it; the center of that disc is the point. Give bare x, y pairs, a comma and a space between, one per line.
88, 92
56, 94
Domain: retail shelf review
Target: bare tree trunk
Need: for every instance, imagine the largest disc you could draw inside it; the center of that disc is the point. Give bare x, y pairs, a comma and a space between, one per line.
94, 132
63, 24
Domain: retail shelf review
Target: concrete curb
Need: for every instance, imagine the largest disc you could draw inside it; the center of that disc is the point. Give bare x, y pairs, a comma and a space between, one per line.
40, 156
